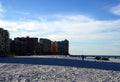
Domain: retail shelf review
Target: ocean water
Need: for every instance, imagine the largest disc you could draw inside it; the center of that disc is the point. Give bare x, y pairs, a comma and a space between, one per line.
108, 56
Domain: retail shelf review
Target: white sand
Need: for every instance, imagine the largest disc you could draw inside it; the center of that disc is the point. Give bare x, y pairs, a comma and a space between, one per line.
10, 72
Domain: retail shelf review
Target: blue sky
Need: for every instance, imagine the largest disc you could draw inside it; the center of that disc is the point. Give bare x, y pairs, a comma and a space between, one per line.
91, 26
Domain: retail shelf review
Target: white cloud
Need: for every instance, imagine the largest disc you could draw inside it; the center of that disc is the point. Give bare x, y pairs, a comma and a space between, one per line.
116, 10
75, 27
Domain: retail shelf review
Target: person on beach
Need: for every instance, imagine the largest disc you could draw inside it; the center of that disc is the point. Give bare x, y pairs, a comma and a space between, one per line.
82, 57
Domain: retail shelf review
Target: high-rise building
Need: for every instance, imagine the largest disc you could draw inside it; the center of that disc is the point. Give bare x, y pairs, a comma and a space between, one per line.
39, 51
63, 47
54, 47
4, 42
31, 46
45, 46
25, 46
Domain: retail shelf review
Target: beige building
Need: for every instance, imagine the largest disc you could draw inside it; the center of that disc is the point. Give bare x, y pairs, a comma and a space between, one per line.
54, 47
4, 42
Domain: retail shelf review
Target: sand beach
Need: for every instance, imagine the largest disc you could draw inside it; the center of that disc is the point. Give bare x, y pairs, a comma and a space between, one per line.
58, 69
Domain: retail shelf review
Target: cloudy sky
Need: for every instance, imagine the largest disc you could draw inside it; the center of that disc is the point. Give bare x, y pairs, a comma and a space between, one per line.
91, 26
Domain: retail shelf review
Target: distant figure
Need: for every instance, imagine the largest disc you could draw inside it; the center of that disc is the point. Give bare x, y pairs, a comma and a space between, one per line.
83, 57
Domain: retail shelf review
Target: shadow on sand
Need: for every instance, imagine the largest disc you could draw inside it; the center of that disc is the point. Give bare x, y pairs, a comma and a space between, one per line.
63, 62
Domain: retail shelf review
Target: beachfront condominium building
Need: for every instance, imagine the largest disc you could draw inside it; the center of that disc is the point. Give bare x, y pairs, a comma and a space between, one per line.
31, 46
4, 42
24, 46
60, 47
63, 47
45, 46
54, 47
